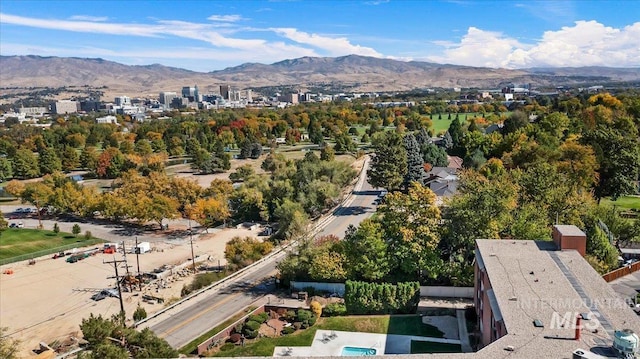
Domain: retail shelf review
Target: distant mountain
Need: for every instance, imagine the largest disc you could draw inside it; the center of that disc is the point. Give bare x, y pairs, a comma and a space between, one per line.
358, 73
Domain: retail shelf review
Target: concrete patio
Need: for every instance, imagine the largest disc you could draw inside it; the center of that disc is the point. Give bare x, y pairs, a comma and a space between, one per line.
382, 343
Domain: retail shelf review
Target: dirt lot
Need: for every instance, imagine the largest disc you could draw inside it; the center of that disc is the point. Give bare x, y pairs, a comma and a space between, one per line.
46, 302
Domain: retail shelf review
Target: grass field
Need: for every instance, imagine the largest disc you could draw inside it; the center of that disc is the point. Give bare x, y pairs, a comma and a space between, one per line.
383, 324
420, 347
628, 202
22, 241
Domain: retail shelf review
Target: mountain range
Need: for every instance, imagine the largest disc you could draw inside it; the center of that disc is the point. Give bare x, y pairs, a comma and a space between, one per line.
353, 72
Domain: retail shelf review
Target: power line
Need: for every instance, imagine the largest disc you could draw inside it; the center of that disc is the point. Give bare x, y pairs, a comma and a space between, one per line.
115, 266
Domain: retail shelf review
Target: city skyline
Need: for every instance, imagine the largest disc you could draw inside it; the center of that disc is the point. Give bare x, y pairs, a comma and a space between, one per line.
212, 36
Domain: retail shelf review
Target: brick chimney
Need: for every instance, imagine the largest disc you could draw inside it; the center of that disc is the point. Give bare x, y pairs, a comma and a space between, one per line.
570, 237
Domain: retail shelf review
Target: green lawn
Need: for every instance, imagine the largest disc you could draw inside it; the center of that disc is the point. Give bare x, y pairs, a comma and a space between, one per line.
420, 347
628, 202
383, 324
22, 241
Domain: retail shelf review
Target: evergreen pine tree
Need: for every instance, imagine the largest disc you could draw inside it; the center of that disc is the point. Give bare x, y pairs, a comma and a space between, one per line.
415, 168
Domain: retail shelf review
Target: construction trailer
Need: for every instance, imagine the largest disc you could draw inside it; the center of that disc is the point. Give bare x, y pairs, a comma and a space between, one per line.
143, 247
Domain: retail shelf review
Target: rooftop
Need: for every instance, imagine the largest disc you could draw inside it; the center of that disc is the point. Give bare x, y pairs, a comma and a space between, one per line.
567, 230
532, 280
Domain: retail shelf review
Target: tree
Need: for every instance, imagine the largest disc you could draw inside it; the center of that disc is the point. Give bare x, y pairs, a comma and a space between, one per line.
6, 171
482, 208
344, 144
456, 133
517, 120
89, 158
366, 251
475, 160
242, 173
389, 164
143, 147
434, 155
209, 211
328, 266
25, 164
327, 153
8, 347
56, 228
410, 223
292, 220
38, 194
415, 164
70, 159
49, 161
76, 230
618, 157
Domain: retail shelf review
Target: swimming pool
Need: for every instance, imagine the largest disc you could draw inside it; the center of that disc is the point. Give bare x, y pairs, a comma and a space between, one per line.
357, 352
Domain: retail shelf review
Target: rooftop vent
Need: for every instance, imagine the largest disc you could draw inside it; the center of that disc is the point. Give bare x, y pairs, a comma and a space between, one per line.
625, 341
538, 323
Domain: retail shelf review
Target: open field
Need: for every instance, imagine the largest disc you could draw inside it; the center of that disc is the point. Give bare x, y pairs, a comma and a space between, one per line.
628, 202
16, 242
382, 324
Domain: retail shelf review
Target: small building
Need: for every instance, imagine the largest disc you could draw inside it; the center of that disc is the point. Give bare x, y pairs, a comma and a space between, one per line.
107, 119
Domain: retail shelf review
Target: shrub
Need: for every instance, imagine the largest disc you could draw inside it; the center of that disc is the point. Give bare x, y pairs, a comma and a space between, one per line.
227, 346
88, 235
297, 325
252, 325
235, 337
290, 315
306, 317
139, 314
316, 308
334, 309
250, 334
260, 318
288, 330
56, 228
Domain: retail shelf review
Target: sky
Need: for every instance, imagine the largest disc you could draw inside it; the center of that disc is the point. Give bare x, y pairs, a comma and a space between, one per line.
213, 35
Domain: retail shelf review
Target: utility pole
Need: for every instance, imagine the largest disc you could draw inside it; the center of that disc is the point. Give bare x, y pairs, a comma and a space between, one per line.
137, 250
124, 256
193, 258
115, 266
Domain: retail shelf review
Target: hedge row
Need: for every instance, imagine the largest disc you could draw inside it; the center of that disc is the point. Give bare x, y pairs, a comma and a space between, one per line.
381, 298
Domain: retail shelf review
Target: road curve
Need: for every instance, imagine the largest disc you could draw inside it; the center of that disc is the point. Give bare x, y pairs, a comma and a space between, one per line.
186, 322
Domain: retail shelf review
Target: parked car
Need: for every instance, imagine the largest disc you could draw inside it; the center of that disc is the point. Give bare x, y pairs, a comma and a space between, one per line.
16, 225
19, 210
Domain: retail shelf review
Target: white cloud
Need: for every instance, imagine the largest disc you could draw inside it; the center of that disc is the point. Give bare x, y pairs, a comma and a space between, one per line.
225, 18
89, 18
335, 46
479, 48
587, 43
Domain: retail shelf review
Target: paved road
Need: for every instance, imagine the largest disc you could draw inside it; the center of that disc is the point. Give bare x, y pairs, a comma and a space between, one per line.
182, 324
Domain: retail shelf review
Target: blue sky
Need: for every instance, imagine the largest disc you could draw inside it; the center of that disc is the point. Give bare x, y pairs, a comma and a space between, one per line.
212, 35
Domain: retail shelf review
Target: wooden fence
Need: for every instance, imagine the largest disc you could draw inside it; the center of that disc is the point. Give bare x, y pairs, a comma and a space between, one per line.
621, 272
